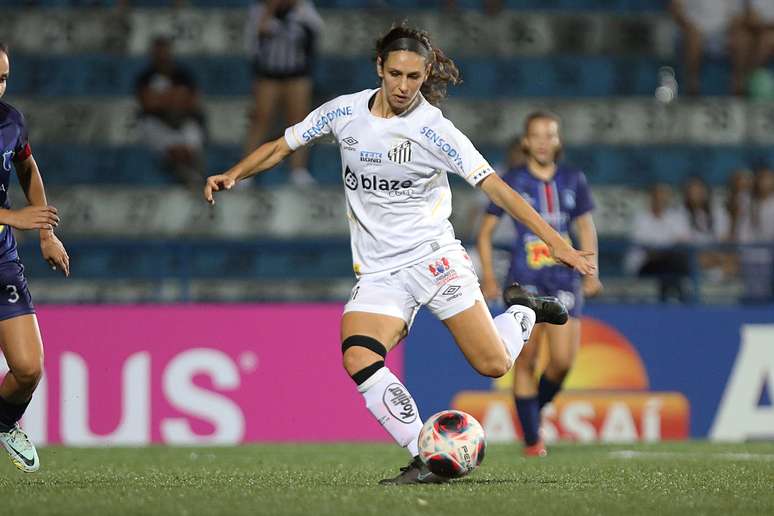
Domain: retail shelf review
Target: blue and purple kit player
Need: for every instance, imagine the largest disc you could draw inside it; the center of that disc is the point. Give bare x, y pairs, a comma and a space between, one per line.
15, 297
559, 201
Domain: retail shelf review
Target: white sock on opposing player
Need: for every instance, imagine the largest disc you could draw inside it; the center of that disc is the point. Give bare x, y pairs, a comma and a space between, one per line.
515, 326
393, 407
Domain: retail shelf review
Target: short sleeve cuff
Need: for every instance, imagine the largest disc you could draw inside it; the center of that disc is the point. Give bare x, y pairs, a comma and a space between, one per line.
23, 154
292, 138
479, 173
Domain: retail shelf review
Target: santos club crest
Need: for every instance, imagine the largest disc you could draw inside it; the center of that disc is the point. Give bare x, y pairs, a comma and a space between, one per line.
400, 153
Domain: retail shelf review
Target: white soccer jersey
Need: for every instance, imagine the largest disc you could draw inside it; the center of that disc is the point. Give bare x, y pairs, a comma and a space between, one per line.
394, 172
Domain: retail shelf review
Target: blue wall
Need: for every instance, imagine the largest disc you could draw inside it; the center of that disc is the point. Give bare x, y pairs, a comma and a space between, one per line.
685, 349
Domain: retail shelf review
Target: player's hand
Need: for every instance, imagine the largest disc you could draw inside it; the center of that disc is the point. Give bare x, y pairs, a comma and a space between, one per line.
54, 253
591, 285
34, 217
217, 183
490, 289
578, 260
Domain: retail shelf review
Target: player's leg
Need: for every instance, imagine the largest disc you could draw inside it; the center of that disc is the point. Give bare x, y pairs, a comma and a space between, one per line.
23, 350
266, 93
693, 51
375, 320
298, 103
490, 349
740, 42
525, 393
448, 284
563, 344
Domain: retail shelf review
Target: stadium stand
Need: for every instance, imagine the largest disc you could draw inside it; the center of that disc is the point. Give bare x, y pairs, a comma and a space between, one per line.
136, 237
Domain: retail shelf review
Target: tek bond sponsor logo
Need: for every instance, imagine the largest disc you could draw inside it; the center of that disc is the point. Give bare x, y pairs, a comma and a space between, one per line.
324, 120
399, 403
370, 158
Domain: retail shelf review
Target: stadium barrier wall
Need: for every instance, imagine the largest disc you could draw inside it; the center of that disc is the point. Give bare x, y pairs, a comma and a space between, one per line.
223, 374
643, 373
196, 374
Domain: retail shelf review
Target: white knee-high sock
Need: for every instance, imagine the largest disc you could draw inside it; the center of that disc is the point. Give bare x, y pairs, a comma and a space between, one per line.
393, 407
515, 326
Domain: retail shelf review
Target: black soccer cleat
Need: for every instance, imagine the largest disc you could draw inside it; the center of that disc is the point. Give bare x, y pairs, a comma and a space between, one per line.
415, 473
548, 309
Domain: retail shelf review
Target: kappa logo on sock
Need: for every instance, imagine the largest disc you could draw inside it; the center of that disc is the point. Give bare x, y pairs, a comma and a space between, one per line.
399, 403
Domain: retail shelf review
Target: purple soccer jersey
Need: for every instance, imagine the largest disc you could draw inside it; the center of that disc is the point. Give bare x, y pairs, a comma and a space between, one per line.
559, 201
14, 147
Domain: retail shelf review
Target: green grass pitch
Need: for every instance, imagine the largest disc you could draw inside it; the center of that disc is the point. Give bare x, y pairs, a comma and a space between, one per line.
310, 480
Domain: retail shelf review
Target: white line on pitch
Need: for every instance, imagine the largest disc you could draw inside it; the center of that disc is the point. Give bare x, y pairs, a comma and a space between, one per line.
633, 454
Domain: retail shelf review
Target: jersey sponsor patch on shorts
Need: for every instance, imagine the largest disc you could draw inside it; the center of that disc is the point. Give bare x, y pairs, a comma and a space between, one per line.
442, 271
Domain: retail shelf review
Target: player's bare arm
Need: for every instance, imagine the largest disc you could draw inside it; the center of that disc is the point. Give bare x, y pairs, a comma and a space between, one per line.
587, 240
45, 216
515, 205
489, 285
263, 158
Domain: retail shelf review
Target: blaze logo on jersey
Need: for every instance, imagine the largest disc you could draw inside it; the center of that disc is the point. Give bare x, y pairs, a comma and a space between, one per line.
7, 157
400, 153
375, 183
439, 267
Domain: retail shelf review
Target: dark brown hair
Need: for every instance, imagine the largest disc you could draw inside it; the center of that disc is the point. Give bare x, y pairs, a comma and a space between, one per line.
443, 71
540, 115
3, 48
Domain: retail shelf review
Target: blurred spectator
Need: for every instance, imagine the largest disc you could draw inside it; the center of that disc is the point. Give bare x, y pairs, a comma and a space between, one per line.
706, 224
655, 233
761, 24
763, 206
281, 37
125, 4
757, 258
171, 117
761, 19
714, 27
739, 207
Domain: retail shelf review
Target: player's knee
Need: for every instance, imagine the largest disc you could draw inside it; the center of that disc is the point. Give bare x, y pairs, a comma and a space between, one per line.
28, 373
525, 366
359, 352
559, 369
494, 366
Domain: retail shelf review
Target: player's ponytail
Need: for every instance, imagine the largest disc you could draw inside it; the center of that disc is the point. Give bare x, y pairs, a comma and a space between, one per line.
443, 71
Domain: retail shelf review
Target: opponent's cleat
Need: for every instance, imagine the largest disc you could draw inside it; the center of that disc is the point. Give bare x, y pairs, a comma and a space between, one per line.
20, 448
536, 450
415, 473
547, 309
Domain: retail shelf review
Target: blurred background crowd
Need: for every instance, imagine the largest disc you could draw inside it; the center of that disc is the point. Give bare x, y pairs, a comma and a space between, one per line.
667, 106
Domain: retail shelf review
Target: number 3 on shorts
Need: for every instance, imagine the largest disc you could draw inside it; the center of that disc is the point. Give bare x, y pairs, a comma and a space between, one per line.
13, 295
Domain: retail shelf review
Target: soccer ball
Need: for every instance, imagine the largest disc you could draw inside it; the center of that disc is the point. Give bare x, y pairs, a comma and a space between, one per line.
452, 443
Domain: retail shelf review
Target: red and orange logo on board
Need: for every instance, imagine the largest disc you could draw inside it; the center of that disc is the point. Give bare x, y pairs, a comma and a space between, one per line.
606, 397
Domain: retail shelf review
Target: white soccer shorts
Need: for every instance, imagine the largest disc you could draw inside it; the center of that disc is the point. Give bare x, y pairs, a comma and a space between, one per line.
445, 282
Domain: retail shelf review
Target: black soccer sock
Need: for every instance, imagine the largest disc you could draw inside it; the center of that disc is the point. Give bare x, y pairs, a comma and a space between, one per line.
529, 417
547, 390
10, 413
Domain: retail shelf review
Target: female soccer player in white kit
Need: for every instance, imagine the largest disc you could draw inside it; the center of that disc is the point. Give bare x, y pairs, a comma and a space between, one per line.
396, 150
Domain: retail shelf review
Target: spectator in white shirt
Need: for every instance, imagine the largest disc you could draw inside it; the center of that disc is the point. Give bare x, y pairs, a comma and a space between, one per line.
655, 234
